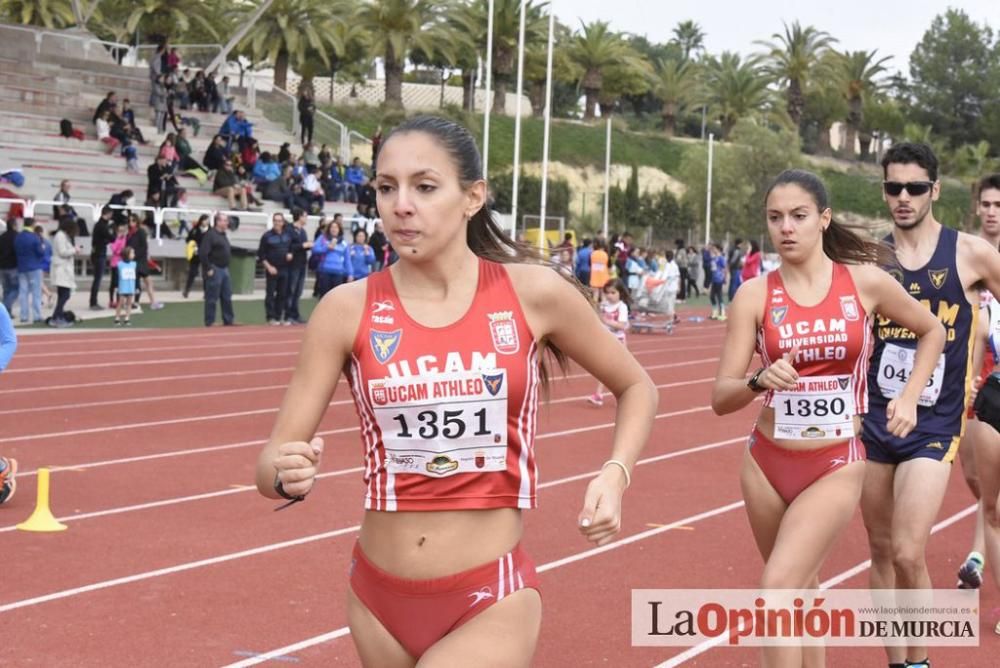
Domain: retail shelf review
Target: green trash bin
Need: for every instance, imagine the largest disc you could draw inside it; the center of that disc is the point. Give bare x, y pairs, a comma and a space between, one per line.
242, 267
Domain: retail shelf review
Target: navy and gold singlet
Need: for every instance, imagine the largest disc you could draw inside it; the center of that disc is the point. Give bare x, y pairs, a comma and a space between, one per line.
941, 408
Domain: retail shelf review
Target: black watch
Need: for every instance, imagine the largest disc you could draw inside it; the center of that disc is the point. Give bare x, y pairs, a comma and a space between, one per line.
280, 489
752, 382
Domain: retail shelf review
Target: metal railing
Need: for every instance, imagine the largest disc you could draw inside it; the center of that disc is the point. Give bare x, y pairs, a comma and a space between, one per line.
283, 107
162, 214
87, 41
29, 207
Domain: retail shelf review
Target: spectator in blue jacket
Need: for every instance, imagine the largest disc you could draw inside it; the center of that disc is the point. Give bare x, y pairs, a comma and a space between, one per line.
355, 177
30, 250
236, 126
582, 268
334, 265
361, 256
332, 179
266, 169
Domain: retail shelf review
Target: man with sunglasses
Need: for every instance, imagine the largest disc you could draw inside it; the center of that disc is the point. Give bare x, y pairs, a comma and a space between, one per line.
906, 478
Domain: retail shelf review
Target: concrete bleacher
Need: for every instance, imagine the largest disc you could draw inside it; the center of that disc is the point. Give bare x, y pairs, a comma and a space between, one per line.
38, 89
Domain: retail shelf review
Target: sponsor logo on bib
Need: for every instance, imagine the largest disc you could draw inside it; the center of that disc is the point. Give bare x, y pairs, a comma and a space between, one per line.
442, 464
493, 383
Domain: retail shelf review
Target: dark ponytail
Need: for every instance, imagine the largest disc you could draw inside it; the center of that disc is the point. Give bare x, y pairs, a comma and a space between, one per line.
843, 243
485, 237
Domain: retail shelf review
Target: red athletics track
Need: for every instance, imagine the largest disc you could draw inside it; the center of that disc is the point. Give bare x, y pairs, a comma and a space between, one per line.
170, 558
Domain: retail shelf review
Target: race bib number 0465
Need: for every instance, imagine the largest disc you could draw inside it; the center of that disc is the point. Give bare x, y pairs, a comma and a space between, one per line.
894, 369
443, 424
820, 407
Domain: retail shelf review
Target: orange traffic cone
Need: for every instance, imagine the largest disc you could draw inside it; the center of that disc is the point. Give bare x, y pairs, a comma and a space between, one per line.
42, 519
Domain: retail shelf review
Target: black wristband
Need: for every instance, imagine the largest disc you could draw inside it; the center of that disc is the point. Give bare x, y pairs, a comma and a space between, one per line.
280, 489
752, 382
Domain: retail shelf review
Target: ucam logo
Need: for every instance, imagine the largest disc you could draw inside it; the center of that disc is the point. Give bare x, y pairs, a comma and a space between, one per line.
384, 344
452, 362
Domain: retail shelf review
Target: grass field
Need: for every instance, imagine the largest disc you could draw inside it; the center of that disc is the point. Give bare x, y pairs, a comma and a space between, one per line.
188, 314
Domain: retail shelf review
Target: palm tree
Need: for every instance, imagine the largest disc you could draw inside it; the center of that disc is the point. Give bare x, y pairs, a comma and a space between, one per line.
736, 88
506, 24
397, 27
630, 77
858, 74
469, 19
293, 32
792, 59
48, 13
595, 50
824, 106
171, 18
690, 37
676, 85
563, 68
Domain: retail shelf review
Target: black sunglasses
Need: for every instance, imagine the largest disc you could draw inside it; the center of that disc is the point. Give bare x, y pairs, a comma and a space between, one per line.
914, 188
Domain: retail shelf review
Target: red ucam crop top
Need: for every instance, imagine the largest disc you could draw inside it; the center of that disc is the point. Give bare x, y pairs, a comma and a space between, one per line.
447, 414
834, 343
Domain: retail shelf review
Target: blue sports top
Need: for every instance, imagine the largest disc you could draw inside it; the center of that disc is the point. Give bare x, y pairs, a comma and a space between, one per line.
937, 285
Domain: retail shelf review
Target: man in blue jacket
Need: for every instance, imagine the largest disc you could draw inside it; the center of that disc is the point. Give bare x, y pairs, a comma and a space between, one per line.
30, 251
235, 127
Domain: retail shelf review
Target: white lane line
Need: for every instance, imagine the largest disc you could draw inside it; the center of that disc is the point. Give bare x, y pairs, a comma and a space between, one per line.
135, 363
185, 348
220, 416
837, 579
116, 336
156, 398
137, 425
67, 593
147, 380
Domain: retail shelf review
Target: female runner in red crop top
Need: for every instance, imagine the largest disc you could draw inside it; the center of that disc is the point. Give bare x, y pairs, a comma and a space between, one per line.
809, 321
442, 352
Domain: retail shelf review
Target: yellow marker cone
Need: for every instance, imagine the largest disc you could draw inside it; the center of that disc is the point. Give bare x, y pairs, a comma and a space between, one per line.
42, 519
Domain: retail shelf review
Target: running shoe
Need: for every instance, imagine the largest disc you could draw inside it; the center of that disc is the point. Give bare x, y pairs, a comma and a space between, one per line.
596, 399
8, 483
970, 574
